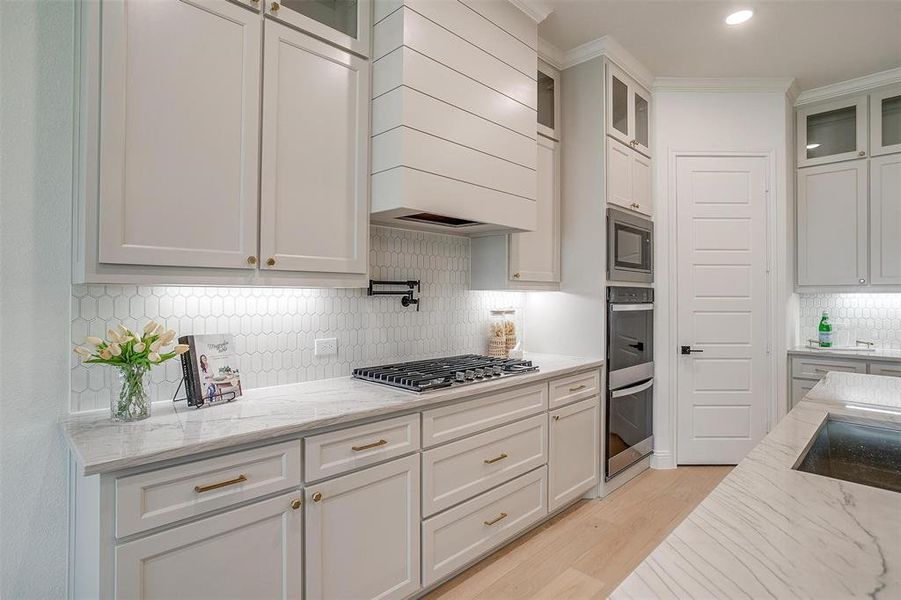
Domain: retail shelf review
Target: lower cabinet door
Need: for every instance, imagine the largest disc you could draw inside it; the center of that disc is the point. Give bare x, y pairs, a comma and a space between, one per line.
250, 552
362, 534
574, 451
800, 387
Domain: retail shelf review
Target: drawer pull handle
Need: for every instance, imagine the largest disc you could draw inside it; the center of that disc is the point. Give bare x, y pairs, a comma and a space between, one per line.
819, 370
500, 517
491, 461
577, 388
215, 486
368, 446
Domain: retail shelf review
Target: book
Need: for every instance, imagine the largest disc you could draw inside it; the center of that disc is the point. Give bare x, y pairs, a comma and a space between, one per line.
210, 368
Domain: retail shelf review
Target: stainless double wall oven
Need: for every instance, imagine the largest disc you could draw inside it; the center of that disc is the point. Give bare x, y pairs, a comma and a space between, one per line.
630, 377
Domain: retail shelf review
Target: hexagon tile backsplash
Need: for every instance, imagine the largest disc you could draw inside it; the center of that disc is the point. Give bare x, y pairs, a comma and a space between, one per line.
871, 317
275, 328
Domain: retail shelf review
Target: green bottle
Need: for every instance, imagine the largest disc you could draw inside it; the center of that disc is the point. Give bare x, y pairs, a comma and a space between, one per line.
825, 331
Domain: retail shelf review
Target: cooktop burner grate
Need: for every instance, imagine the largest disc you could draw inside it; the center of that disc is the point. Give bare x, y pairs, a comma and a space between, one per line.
437, 373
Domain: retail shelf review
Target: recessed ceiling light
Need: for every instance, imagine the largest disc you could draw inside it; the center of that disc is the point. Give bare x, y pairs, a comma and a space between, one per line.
812, 146
739, 16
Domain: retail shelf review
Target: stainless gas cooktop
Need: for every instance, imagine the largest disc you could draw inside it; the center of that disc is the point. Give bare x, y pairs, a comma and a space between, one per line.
437, 373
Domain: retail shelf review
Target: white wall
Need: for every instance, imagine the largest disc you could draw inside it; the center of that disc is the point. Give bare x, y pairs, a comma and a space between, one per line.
36, 93
722, 122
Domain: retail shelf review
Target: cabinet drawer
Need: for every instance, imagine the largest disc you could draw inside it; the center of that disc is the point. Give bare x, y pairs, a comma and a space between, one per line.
890, 369
800, 387
460, 470
340, 451
575, 387
463, 534
458, 420
149, 500
816, 368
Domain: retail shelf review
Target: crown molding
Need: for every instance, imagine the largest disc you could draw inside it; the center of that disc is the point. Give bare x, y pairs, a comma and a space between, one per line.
609, 47
550, 54
762, 85
850, 86
537, 11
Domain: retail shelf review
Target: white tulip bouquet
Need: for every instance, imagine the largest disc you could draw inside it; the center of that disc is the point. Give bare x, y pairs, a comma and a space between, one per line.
133, 355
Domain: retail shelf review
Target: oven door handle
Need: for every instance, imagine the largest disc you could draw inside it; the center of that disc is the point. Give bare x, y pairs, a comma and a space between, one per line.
632, 390
631, 307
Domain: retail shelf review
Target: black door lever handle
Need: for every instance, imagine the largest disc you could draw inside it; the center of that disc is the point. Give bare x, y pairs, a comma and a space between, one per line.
688, 350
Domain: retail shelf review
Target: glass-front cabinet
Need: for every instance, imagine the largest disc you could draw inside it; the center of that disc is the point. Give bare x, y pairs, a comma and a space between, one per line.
832, 132
345, 23
885, 121
628, 110
548, 101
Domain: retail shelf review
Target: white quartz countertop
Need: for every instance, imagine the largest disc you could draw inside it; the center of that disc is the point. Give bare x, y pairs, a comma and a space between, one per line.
768, 531
882, 354
175, 430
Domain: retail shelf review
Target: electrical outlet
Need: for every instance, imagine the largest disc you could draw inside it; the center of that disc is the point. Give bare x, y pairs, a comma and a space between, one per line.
326, 347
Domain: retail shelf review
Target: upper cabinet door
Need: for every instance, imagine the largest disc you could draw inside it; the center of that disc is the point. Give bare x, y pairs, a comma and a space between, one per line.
314, 209
179, 134
832, 224
885, 121
885, 220
628, 110
548, 101
345, 23
832, 132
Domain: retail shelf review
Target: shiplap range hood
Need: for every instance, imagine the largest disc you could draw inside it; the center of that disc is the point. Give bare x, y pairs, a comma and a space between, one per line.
454, 135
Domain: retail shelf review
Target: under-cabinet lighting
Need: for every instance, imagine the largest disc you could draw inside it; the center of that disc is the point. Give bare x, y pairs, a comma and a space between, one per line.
739, 16
812, 146
869, 409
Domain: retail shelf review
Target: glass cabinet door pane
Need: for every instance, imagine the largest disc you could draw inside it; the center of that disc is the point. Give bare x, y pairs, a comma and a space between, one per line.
832, 132
891, 121
641, 120
620, 106
340, 15
545, 100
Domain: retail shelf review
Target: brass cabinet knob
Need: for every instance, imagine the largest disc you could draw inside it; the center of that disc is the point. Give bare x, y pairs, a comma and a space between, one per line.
556, 417
275, 6
516, 276
863, 281
251, 260
861, 153
270, 261
296, 503
317, 497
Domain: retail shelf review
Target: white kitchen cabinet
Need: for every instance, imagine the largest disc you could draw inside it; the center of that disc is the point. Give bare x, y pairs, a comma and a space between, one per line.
250, 552
345, 23
628, 178
178, 134
886, 369
832, 131
628, 110
526, 260
832, 225
363, 533
885, 220
573, 451
314, 205
800, 387
549, 101
885, 121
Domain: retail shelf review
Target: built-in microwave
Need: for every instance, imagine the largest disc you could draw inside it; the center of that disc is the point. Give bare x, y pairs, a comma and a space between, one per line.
630, 247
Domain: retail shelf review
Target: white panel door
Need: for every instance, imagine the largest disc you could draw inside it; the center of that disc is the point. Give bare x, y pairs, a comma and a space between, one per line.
535, 256
722, 307
314, 207
363, 534
832, 224
573, 451
249, 552
179, 142
885, 220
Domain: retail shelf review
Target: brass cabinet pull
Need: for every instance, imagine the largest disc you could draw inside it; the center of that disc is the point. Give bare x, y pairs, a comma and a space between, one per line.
270, 261
500, 517
274, 6
368, 446
556, 417
296, 503
317, 497
251, 260
215, 486
577, 388
491, 461
516, 276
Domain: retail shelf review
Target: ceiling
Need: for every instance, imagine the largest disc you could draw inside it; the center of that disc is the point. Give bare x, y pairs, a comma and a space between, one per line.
816, 42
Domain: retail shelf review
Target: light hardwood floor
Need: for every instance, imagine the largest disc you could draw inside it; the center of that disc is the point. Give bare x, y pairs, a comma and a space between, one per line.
586, 551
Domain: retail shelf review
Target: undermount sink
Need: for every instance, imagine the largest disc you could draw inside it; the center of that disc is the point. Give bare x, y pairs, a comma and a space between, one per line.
865, 454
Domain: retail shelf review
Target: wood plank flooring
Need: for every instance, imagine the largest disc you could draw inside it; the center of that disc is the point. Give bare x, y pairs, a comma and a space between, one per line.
586, 551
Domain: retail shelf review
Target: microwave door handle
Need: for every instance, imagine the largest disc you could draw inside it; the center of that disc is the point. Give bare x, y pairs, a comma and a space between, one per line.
631, 307
632, 390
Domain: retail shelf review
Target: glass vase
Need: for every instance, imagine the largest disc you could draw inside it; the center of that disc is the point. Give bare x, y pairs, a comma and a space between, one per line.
130, 399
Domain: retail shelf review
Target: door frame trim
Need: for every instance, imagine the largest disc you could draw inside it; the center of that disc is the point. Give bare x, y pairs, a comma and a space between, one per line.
776, 289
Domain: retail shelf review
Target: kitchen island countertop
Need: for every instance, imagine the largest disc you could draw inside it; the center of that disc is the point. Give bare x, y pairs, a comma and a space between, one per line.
768, 531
